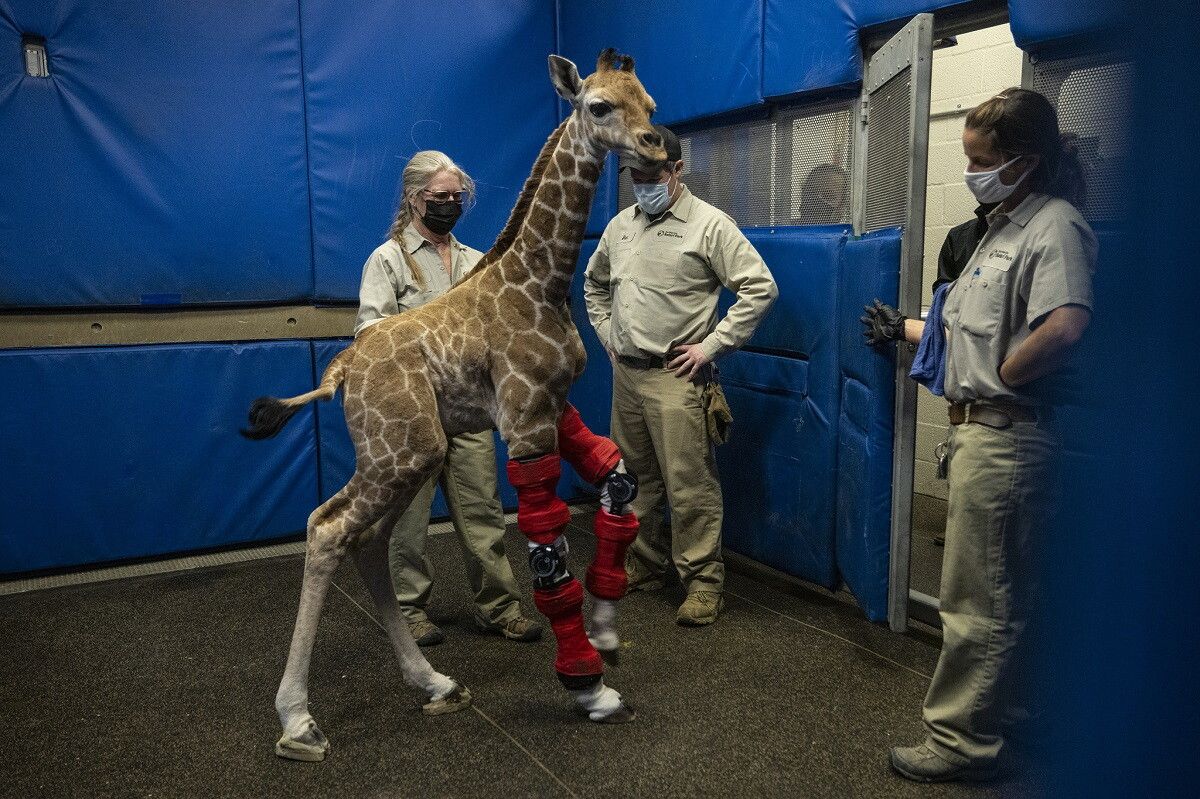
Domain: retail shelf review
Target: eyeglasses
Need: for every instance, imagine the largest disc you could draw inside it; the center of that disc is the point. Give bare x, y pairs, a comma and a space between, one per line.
446, 196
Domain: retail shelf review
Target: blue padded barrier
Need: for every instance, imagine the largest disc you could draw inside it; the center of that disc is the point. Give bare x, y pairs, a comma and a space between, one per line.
123, 452
337, 451
1038, 24
777, 469
696, 58
604, 204
163, 160
809, 45
870, 269
474, 84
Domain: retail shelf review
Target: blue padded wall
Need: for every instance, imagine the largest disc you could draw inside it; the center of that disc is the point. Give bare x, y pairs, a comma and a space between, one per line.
809, 45
695, 57
163, 160
1038, 24
870, 269
381, 83
780, 461
123, 452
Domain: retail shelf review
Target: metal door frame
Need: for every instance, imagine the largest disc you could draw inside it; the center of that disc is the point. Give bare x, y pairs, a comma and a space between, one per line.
909, 49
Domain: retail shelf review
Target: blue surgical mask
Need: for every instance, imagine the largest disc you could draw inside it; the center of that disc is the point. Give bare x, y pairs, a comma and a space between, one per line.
987, 187
652, 197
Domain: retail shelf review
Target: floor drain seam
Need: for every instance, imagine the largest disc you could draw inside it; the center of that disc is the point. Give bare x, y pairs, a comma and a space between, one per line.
485, 716
522, 747
909, 669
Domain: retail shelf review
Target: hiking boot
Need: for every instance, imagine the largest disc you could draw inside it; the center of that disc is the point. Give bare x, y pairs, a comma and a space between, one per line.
700, 608
640, 578
519, 629
923, 764
425, 633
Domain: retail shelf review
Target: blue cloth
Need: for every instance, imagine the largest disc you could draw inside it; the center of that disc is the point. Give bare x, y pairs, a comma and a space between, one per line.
929, 365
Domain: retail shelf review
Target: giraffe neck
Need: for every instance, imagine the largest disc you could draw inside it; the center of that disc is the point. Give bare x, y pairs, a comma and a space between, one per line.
547, 247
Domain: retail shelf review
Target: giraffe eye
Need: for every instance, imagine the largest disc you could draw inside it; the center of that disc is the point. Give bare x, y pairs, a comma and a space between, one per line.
599, 109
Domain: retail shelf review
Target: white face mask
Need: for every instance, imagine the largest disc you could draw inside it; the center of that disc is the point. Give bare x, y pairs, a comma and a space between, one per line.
653, 197
986, 186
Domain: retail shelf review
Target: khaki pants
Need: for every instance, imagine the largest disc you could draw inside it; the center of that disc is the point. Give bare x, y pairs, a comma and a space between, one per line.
1002, 489
658, 422
468, 480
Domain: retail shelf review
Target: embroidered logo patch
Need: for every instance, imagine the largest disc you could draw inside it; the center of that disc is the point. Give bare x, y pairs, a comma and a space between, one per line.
670, 233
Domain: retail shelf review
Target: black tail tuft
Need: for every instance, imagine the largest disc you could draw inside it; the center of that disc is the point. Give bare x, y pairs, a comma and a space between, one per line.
267, 417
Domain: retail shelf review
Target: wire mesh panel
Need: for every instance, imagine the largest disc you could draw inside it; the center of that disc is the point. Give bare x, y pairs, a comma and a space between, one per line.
1093, 99
888, 145
792, 169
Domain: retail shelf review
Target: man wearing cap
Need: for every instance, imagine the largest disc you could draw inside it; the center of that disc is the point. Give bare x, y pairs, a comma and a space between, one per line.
651, 290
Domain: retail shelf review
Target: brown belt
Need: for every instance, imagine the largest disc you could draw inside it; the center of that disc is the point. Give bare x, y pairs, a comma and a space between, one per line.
992, 414
641, 363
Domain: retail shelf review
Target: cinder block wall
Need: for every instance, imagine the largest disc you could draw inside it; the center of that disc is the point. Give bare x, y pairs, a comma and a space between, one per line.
982, 64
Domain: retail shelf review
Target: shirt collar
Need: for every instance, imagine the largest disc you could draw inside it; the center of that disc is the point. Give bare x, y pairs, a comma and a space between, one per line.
680, 209
1025, 210
413, 240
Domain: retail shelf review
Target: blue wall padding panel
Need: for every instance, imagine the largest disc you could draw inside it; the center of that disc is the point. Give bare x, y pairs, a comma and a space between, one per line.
809, 45
1037, 24
777, 469
468, 78
337, 451
124, 452
162, 162
870, 268
696, 58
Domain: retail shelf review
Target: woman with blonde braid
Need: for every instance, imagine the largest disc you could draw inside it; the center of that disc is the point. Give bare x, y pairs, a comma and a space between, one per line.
421, 260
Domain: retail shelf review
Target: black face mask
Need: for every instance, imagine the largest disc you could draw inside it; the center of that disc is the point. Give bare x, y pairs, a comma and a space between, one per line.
440, 217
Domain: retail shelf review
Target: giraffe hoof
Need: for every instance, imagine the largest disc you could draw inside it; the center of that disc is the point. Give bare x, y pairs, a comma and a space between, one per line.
311, 747
622, 715
458, 699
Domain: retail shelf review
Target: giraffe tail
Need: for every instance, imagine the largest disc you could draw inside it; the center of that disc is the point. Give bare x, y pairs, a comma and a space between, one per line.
268, 415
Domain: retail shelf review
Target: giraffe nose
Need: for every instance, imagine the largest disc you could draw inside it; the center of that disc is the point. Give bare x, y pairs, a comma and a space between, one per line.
651, 139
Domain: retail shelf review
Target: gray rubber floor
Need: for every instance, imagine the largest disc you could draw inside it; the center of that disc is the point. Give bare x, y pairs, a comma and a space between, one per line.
163, 686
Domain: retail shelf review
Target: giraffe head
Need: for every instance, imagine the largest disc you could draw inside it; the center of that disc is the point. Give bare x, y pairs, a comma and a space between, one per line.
611, 105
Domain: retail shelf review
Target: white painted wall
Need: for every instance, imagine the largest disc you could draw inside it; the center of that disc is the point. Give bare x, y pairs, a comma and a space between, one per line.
981, 65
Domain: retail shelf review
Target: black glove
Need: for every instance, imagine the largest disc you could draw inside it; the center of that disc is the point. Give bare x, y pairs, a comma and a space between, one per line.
884, 323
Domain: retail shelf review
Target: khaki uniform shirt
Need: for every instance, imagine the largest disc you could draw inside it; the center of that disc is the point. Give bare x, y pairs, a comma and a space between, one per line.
653, 285
388, 287
1038, 257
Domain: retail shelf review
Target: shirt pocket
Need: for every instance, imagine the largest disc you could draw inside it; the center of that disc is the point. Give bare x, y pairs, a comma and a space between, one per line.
984, 300
658, 268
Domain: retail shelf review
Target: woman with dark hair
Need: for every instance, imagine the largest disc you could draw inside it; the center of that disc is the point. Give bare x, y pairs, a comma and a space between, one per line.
1010, 321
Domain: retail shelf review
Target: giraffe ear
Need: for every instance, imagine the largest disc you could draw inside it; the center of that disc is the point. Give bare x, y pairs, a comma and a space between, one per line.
565, 77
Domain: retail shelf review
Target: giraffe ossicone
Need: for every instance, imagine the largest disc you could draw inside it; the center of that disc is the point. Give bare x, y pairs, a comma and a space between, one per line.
499, 349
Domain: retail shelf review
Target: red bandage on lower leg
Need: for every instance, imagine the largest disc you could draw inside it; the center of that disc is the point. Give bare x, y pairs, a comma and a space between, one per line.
606, 576
590, 455
563, 606
541, 515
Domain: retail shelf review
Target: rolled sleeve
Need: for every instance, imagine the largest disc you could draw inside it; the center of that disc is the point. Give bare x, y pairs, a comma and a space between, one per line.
739, 268
1062, 273
378, 291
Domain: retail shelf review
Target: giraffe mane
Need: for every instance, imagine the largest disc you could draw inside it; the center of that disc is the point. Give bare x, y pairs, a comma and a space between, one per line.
513, 227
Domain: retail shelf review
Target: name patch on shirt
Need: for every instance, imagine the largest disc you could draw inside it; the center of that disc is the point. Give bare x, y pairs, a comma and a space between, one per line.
670, 233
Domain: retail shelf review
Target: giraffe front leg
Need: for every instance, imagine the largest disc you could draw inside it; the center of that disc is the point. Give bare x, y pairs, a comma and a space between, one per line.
598, 460
542, 516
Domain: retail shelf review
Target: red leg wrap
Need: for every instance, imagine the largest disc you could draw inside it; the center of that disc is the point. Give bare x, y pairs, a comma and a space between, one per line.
541, 515
590, 455
563, 607
606, 576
